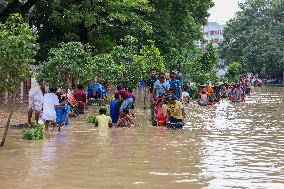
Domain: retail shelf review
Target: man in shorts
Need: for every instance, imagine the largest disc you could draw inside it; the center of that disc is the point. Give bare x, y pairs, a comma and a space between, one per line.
35, 101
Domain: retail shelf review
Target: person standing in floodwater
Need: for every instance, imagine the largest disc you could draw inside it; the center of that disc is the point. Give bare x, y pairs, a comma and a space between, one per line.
35, 100
150, 85
114, 109
50, 103
175, 85
81, 98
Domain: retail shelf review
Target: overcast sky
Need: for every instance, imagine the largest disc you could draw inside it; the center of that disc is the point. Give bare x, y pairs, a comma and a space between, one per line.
224, 10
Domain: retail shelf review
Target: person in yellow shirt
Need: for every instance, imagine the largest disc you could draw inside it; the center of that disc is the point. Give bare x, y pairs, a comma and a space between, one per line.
175, 111
103, 120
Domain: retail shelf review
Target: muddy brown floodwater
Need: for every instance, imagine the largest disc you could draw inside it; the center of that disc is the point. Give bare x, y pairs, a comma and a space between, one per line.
223, 146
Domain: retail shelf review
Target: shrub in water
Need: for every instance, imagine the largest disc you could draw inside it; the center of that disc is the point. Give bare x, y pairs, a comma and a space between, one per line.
193, 90
92, 118
35, 133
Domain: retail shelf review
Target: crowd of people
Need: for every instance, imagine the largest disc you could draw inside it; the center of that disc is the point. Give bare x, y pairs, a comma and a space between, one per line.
165, 91
236, 92
57, 105
166, 98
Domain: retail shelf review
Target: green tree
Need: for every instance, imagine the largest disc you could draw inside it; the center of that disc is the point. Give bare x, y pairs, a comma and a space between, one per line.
174, 25
127, 64
100, 23
234, 72
151, 55
177, 24
202, 68
18, 47
256, 37
69, 61
8, 7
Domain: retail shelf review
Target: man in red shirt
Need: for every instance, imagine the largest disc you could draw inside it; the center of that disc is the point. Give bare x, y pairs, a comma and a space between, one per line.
81, 98
127, 97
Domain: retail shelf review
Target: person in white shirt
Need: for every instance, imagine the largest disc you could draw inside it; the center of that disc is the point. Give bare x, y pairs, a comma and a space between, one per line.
185, 95
35, 100
50, 103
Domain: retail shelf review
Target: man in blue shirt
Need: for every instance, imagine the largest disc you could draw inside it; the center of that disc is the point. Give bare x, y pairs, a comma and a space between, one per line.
175, 85
62, 114
90, 90
114, 109
98, 89
161, 87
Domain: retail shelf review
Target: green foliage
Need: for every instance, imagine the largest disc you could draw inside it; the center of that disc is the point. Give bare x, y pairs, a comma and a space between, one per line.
177, 24
126, 65
174, 25
92, 118
193, 89
36, 133
18, 47
151, 55
202, 68
100, 23
71, 60
234, 72
256, 38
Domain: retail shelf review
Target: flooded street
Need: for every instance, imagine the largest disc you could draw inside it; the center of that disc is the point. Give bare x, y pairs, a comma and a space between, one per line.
223, 146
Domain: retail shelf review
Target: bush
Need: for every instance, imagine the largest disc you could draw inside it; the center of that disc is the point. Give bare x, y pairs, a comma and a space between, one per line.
193, 90
36, 133
234, 72
92, 118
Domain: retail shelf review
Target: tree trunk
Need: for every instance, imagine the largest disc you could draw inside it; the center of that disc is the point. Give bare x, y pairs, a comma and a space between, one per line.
83, 33
9, 119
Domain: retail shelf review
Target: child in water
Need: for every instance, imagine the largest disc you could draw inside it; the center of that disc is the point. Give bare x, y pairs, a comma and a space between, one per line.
238, 92
124, 119
102, 120
233, 94
204, 98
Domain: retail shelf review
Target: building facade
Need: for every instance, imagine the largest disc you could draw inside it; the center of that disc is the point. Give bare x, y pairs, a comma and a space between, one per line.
212, 32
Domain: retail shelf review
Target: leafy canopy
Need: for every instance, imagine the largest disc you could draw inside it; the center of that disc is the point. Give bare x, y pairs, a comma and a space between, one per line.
256, 37
202, 68
68, 61
177, 24
234, 72
18, 47
127, 64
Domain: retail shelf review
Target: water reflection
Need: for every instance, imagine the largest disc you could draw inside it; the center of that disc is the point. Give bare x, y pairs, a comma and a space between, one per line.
222, 146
